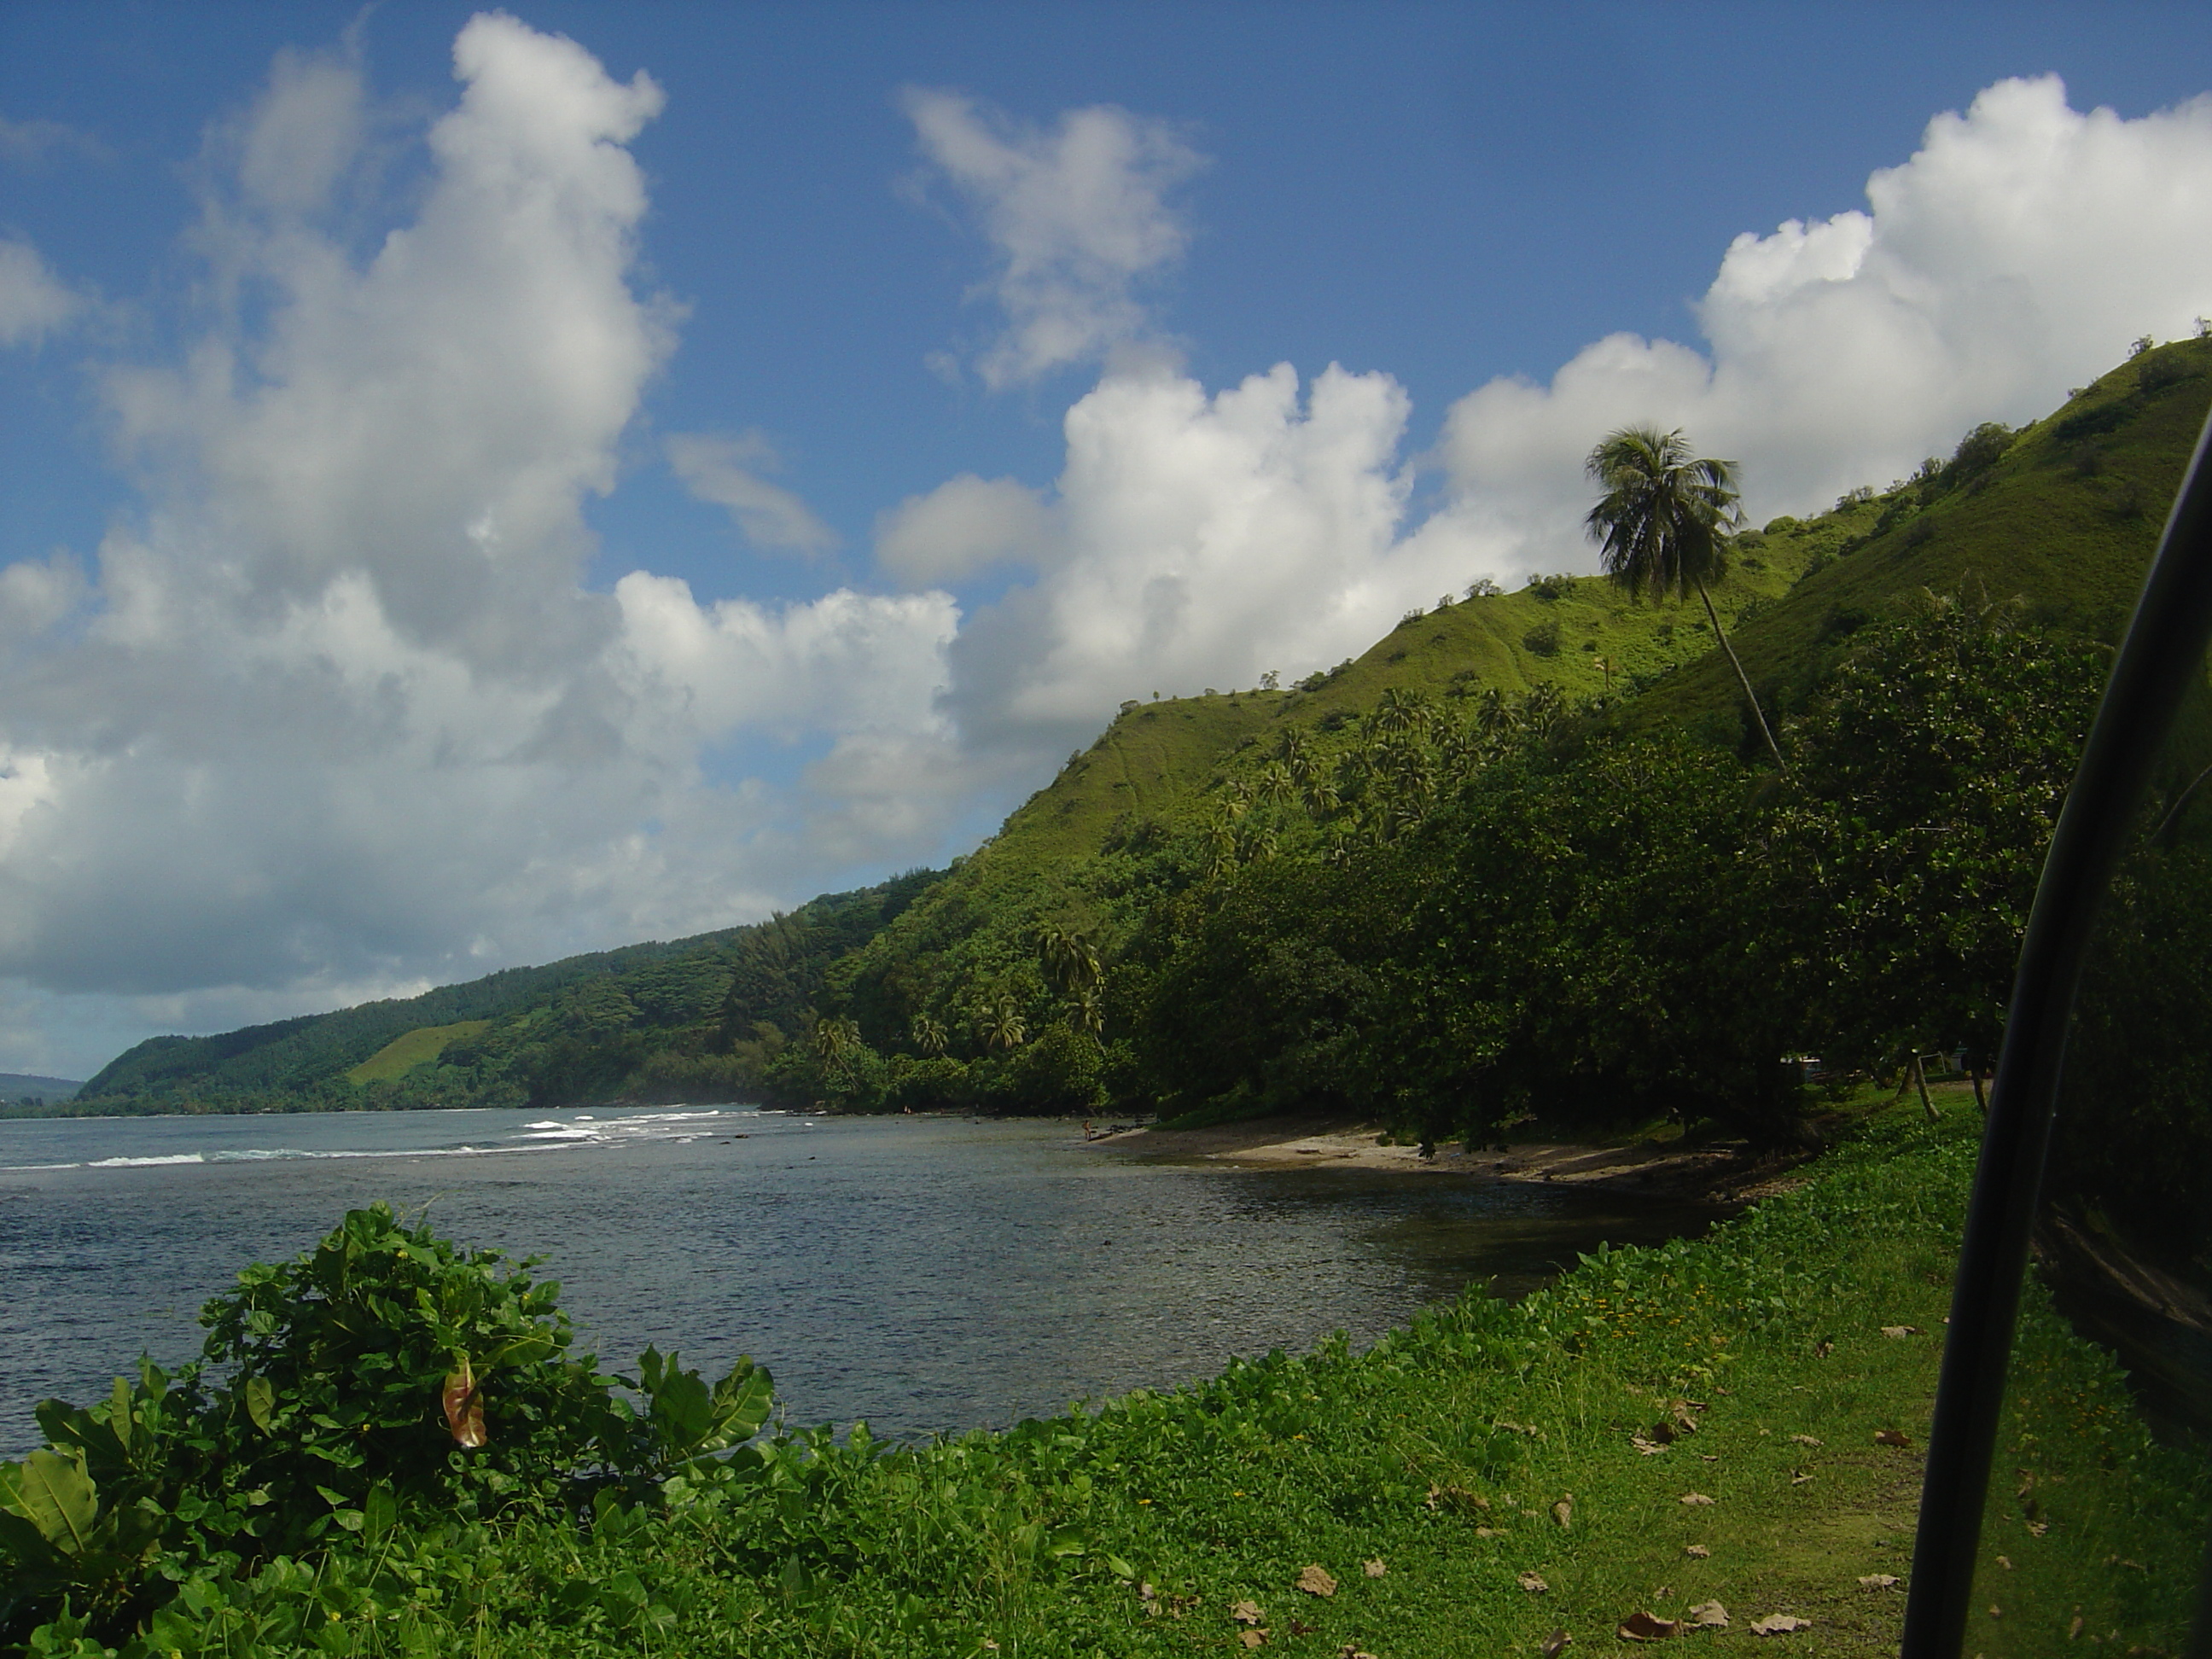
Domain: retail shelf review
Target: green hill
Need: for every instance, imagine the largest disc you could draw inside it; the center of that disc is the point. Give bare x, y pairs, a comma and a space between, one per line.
1014, 980
643, 1022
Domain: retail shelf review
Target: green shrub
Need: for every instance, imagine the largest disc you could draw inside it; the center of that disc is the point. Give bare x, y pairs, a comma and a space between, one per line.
383, 1374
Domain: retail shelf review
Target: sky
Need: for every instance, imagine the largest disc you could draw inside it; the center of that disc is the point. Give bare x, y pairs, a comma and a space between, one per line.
480, 486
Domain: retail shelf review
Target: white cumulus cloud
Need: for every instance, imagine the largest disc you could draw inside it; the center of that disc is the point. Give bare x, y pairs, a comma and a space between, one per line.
726, 471
1204, 540
964, 525
2018, 251
1078, 215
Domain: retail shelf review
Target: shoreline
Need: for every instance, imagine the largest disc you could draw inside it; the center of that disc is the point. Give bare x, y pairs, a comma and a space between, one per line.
1721, 1171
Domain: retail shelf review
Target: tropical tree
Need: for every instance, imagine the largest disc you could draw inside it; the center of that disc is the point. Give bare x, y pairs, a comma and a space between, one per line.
930, 1035
1001, 1024
1661, 524
1399, 711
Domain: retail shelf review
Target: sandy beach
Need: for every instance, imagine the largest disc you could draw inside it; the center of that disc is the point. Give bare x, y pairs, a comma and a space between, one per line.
1719, 1171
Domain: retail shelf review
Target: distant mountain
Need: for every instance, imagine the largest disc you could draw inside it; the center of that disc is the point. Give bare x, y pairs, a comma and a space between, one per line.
660, 1021
23, 1085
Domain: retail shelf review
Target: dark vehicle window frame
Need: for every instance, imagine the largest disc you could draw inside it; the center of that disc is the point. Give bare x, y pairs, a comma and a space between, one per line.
2166, 642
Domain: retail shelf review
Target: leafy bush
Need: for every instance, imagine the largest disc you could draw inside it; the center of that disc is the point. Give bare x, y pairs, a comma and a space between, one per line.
384, 1373
1543, 640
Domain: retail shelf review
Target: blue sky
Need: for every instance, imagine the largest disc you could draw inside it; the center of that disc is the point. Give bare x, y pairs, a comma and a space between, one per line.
373, 618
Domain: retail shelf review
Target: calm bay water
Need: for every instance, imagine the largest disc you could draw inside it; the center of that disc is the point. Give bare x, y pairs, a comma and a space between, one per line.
923, 1273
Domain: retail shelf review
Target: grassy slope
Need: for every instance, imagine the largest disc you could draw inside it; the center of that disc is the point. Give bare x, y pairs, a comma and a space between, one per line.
2073, 544
416, 1047
1441, 1453
1155, 760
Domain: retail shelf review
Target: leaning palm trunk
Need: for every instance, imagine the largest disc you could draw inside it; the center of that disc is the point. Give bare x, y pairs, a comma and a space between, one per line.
1744, 680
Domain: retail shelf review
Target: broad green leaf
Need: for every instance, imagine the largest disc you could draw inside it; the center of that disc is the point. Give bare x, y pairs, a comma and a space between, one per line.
55, 1495
381, 1511
260, 1401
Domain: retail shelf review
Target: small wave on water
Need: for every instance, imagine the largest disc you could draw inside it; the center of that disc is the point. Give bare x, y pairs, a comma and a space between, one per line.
580, 1129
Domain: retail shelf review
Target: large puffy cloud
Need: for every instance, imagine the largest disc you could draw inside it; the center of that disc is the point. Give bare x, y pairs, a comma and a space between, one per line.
1077, 216
1204, 539
2018, 251
337, 716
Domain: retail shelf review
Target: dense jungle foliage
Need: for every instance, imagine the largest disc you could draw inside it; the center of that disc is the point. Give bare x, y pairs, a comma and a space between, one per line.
1454, 915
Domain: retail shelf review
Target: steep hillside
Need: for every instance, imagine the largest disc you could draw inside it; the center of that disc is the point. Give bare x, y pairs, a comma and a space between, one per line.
2064, 515
1580, 633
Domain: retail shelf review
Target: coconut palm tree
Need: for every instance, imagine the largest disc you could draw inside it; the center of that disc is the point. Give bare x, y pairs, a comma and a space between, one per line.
1070, 959
1399, 711
1001, 1024
930, 1035
1543, 707
836, 1040
1663, 523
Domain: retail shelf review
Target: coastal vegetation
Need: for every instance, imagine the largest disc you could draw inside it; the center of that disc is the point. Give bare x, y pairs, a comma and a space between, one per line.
1715, 1434
1533, 846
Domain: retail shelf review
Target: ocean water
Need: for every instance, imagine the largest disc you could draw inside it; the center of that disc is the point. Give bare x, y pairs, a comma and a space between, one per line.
926, 1273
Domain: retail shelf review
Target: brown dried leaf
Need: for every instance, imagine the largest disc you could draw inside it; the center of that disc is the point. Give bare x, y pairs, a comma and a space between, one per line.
1878, 1581
464, 1406
1822, 1350
1557, 1644
1799, 1477
1646, 1627
1807, 1440
1891, 1438
1695, 1499
1901, 1330
1317, 1581
1490, 1532
1778, 1624
1534, 1584
1645, 1447
1253, 1638
1708, 1615
1247, 1612
2074, 1627
1374, 1569
1456, 1497
2036, 1529
1663, 1432
1299, 1627
1564, 1510
1697, 1549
